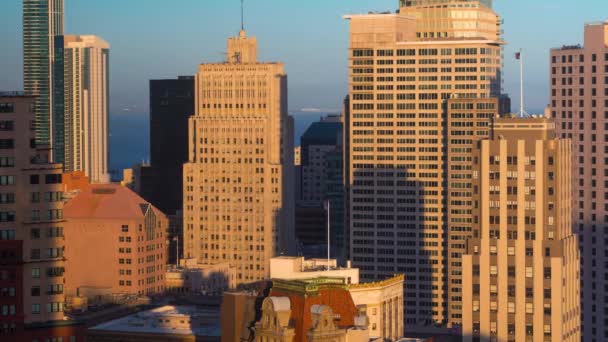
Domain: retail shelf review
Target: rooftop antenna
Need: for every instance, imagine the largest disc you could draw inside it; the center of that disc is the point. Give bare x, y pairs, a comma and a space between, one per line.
519, 57
242, 16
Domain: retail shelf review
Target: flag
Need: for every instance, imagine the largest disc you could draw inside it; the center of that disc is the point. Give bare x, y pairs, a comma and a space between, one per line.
518, 55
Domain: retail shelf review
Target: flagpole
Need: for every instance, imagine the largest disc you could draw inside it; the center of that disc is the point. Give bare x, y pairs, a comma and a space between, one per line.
328, 241
521, 84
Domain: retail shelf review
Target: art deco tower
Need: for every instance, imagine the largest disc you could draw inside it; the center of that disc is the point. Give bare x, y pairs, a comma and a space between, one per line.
238, 184
521, 269
42, 33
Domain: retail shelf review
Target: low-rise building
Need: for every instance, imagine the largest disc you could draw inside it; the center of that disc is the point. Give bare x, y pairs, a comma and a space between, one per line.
383, 300
299, 268
167, 323
384, 306
117, 241
201, 279
319, 309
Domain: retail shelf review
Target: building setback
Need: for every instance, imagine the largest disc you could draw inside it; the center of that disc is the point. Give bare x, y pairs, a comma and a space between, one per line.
521, 269
403, 69
238, 183
42, 35
86, 106
579, 105
116, 242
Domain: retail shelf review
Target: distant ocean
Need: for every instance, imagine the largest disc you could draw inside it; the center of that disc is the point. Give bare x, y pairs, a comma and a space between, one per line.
130, 137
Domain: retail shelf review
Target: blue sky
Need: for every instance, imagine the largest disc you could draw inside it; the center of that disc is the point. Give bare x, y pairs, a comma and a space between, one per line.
161, 39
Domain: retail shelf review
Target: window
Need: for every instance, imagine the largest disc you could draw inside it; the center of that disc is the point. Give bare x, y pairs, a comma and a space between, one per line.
6, 125
52, 179
125, 228
529, 272
7, 180
35, 308
7, 216
511, 307
34, 179
529, 308
7, 161
7, 107
35, 291
6, 144
35, 273
7, 234
35, 254
35, 197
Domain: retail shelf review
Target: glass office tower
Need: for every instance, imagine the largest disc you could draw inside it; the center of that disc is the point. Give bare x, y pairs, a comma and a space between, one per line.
42, 26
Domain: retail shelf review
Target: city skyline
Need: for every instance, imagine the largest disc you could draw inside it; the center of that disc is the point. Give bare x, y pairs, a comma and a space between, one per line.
186, 43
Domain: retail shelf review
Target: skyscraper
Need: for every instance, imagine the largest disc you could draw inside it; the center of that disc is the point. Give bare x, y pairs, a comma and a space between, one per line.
521, 269
403, 69
42, 31
238, 183
579, 105
321, 180
171, 105
86, 102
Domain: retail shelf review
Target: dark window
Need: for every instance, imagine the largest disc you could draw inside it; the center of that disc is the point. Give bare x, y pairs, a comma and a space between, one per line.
7, 107
34, 179
52, 179
6, 125
7, 144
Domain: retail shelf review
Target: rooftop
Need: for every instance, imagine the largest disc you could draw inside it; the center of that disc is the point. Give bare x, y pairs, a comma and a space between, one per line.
107, 201
177, 320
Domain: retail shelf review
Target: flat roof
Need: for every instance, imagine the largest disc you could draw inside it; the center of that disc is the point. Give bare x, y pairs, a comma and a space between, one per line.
207, 320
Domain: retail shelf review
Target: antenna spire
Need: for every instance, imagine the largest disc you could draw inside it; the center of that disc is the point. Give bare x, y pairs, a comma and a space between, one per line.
242, 16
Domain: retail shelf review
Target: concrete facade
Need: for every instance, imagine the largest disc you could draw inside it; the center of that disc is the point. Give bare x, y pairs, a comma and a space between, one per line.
117, 241
579, 105
31, 219
238, 184
400, 81
383, 302
521, 269
86, 106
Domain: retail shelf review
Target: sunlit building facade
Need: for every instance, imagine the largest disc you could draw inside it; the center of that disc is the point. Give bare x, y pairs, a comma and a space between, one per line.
238, 184
400, 82
86, 105
521, 269
579, 105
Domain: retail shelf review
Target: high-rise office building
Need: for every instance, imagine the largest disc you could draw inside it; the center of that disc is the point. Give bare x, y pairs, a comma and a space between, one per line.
42, 35
321, 180
403, 69
579, 105
171, 105
521, 269
86, 102
468, 120
31, 220
238, 183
